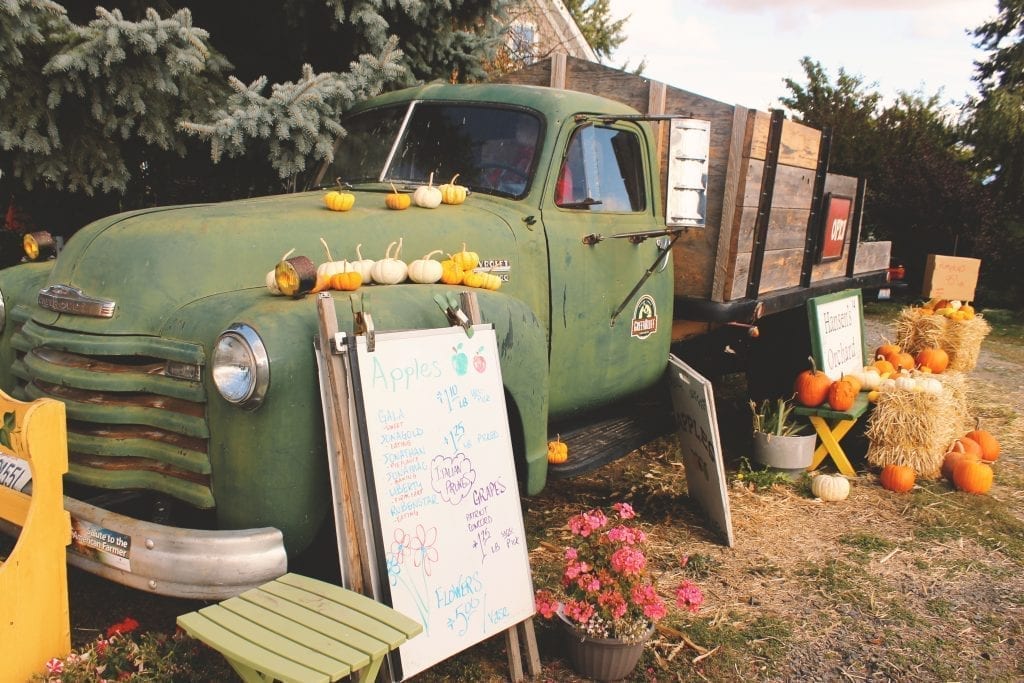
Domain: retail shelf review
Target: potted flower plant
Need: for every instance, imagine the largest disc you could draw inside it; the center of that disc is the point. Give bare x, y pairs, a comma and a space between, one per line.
779, 441
607, 599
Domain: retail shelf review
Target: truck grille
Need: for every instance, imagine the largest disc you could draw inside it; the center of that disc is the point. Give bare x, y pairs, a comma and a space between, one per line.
130, 425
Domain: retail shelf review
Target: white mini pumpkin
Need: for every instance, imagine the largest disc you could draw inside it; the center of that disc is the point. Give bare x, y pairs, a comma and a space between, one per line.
830, 487
427, 196
363, 266
390, 270
330, 267
426, 271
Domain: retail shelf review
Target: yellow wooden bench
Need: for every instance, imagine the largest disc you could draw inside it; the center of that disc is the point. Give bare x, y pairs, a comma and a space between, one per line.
34, 619
831, 426
296, 629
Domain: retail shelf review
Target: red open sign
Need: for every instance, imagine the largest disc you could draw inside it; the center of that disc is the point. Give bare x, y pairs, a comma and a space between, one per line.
835, 227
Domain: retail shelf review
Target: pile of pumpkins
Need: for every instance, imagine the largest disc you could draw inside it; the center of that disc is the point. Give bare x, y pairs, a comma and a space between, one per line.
892, 370
298, 275
952, 309
967, 465
426, 196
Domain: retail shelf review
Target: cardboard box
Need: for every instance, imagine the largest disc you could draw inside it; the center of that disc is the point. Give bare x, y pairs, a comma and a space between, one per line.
950, 277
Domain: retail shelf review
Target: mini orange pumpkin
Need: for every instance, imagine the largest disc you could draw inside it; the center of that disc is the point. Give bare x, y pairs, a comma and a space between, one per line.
397, 201
811, 386
842, 393
973, 476
898, 478
558, 452
347, 280
883, 366
451, 272
887, 349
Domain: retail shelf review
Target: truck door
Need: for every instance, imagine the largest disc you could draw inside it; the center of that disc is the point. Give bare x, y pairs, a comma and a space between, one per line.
607, 341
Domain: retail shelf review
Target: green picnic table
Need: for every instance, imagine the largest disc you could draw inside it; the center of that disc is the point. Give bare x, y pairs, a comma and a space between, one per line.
296, 629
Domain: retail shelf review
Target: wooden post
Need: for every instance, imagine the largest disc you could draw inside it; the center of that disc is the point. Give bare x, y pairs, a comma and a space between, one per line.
353, 543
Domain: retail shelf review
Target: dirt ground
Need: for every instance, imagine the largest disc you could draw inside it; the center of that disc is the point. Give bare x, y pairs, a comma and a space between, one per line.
923, 586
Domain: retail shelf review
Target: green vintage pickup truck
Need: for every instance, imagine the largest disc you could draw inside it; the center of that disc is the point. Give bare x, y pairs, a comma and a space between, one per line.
197, 451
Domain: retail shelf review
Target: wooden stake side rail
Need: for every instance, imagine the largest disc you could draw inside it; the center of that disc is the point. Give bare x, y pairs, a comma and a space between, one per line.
296, 629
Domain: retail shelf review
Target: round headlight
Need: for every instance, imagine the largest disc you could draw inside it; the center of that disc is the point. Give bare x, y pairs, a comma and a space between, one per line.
241, 367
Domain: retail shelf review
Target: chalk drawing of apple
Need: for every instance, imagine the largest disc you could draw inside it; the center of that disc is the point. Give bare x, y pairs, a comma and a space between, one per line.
479, 362
460, 361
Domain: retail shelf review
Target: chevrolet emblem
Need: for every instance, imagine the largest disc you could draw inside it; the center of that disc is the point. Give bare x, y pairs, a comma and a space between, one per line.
67, 299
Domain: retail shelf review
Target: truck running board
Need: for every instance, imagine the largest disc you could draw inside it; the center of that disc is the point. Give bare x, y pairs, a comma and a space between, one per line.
609, 436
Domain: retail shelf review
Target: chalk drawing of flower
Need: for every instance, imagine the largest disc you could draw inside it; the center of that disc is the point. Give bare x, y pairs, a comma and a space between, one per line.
400, 545
422, 546
394, 569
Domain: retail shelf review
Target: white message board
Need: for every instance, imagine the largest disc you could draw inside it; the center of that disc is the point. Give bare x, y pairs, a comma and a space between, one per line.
451, 546
693, 406
837, 332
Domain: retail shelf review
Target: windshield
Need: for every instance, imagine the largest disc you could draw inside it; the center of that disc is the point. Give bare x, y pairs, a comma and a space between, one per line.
493, 149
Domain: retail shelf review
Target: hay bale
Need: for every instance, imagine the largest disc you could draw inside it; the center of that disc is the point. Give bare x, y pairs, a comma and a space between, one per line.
961, 339
916, 428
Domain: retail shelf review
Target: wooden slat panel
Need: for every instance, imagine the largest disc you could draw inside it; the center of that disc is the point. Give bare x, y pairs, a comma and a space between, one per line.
781, 269
798, 147
872, 256
786, 228
338, 612
794, 187
729, 226
738, 289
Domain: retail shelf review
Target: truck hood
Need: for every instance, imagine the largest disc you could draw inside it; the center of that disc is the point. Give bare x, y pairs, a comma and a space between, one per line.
152, 262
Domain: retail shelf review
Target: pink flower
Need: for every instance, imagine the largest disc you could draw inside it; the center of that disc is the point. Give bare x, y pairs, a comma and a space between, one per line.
574, 569
586, 523
55, 666
625, 510
571, 554
588, 583
579, 611
623, 534
689, 596
629, 561
546, 604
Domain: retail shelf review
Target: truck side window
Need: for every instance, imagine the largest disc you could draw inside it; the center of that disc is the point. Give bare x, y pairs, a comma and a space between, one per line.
602, 171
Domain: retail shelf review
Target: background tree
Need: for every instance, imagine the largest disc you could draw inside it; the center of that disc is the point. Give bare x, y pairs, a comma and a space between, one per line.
594, 17
923, 192
103, 109
995, 131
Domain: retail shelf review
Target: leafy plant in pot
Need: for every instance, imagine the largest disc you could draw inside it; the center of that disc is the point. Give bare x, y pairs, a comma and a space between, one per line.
778, 440
607, 600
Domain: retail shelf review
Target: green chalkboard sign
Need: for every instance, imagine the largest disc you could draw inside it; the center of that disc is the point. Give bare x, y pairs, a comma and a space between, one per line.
837, 332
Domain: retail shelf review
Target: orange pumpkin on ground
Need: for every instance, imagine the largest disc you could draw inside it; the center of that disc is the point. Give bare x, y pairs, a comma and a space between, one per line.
988, 443
883, 366
955, 455
811, 386
969, 445
973, 476
898, 478
887, 349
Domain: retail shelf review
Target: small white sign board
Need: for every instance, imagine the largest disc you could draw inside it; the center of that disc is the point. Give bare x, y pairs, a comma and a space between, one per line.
693, 405
837, 332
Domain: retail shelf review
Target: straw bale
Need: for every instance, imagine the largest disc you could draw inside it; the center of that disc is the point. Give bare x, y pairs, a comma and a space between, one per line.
916, 428
961, 339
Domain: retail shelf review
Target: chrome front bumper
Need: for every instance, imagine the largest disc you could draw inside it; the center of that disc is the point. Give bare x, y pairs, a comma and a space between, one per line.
185, 563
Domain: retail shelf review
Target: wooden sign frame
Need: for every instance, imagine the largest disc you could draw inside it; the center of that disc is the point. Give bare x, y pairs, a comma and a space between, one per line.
836, 323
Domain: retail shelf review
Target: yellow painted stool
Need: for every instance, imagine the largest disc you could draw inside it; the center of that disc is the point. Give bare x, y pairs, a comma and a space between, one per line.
832, 426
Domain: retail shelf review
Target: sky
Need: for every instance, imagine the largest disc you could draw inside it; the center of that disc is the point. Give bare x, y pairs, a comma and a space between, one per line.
740, 51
